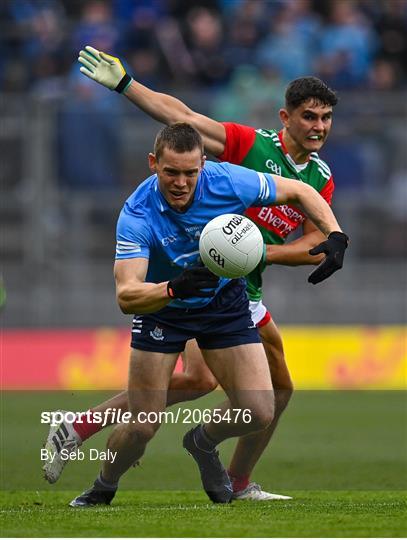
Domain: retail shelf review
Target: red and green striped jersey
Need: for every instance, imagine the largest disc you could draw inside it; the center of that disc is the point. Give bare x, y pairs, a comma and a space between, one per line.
263, 150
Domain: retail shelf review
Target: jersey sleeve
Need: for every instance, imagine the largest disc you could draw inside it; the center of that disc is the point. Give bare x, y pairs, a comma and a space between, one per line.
133, 236
251, 187
328, 190
239, 140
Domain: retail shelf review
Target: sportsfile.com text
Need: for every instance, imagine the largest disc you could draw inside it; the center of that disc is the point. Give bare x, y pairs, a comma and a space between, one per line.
116, 416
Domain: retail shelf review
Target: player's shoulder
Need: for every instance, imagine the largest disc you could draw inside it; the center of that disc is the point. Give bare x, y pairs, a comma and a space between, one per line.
216, 170
139, 201
224, 172
320, 166
138, 209
268, 135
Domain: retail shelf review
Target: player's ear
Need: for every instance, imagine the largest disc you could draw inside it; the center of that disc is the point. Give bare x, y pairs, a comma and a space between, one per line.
152, 162
203, 160
284, 116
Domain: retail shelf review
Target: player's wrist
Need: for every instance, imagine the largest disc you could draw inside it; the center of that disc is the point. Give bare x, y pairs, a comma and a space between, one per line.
264, 257
124, 83
339, 236
269, 254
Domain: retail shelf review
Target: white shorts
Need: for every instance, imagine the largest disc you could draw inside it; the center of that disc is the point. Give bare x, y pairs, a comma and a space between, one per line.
258, 311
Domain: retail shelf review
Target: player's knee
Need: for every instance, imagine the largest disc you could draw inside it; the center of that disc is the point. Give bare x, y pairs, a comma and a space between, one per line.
282, 397
145, 432
141, 432
202, 381
261, 416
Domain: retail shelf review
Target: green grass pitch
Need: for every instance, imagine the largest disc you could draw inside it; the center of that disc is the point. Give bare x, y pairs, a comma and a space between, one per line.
341, 455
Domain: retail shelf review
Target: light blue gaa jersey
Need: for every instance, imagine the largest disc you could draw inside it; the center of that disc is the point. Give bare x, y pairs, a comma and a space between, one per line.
149, 228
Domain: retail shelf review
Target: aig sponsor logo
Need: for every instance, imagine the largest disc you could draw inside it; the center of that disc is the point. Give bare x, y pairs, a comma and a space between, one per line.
217, 257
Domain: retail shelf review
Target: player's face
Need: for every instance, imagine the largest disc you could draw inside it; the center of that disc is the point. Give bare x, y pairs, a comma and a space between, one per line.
177, 176
308, 125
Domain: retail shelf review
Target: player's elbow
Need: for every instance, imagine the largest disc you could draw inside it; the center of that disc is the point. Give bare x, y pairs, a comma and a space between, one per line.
124, 307
125, 301
291, 191
175, 116
302, 193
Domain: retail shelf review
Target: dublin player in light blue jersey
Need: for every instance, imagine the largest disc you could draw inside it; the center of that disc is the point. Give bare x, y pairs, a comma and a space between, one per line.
159, 279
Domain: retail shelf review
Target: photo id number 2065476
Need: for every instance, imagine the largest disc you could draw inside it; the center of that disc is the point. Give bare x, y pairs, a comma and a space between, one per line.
231, 416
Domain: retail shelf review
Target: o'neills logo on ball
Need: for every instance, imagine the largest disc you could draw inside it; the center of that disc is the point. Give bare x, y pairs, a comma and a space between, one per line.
241, 233
232, 225
217, 257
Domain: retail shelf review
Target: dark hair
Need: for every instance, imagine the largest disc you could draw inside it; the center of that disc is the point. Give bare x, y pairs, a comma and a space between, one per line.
301, 90
180, 137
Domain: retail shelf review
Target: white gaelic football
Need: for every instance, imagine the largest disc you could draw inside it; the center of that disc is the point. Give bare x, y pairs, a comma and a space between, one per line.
231, 246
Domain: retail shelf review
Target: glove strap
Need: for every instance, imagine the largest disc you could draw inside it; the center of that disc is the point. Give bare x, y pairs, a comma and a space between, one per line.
340, 237
123, 84
170, 290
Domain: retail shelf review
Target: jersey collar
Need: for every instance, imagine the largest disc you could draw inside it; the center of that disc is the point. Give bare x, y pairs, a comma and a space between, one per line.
284, 149
283, 146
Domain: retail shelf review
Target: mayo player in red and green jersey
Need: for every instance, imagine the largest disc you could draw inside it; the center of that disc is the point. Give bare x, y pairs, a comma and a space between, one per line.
265, 151
291, 152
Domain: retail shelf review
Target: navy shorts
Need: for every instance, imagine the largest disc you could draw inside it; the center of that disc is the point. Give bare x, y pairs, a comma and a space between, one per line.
224, 322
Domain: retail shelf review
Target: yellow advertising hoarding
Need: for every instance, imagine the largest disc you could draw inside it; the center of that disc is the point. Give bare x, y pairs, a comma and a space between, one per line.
320, 358
355, 357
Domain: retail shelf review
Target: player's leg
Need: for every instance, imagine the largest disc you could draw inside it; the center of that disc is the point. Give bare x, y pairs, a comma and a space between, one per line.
149, 377
250, 448
240, 369
195, 380
232, 350
244, 375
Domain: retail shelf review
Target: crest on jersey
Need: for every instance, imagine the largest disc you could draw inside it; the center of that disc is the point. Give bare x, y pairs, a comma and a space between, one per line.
157, 333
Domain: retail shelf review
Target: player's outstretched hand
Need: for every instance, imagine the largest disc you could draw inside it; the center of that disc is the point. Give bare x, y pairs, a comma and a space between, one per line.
104, 69
334, 249
191, 282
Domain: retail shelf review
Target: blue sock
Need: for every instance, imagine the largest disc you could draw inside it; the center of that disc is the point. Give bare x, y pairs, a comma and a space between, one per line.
100, 482
202, 439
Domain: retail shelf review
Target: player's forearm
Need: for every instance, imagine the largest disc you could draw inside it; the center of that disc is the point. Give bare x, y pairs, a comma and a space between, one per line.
316, 208
162, 107
142, 298
295, 253
169, 110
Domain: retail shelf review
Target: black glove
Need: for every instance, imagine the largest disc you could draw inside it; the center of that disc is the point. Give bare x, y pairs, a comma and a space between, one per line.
334, 249
191, 282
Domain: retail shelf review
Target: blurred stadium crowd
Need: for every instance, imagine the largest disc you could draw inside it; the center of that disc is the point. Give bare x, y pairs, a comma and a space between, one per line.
72, 151
204, 43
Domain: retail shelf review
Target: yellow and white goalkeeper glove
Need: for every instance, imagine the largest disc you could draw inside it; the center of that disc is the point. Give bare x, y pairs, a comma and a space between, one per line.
104, 69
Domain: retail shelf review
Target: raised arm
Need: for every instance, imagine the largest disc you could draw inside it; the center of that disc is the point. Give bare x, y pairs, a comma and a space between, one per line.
168, 109
109, 71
